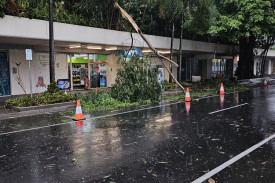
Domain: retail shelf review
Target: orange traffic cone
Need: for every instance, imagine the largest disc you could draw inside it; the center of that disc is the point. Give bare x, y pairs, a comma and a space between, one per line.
79, 127
187, 107
265, 82
222, 100
187, 95
65, 92
222, 90
78, 112
79, 123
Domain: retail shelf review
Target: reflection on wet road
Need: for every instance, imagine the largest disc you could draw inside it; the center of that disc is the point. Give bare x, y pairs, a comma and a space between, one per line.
168, 143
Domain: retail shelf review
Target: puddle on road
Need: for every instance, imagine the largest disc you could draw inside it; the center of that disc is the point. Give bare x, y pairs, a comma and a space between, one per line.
162, 144
51, 118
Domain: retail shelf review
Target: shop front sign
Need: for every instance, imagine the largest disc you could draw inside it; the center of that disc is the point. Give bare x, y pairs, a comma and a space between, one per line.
130, 53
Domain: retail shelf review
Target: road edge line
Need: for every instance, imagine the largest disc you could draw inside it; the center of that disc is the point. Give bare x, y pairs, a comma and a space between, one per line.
228, 108
232, 160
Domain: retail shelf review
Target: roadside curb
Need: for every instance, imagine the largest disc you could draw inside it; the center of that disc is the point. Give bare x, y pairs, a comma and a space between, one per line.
60, 107
35, 110
46, 108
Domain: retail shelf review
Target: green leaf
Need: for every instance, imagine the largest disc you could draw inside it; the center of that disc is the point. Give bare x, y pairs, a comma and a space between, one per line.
51, 165
107, 176
74, 160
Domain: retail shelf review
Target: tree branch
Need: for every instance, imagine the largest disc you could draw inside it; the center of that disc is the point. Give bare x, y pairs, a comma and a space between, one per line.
126, 16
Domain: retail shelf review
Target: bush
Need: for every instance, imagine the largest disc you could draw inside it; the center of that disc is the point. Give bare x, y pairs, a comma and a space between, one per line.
2, 6
96, 100
215, 84
52, 87
170, 85
44, 98
135, 81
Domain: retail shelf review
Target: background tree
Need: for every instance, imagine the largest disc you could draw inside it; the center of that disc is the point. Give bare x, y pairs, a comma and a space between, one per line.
199, 15
245, 22
2, 5
171, 11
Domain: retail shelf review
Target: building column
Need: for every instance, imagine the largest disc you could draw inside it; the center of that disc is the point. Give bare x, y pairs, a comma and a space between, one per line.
89, 71
71, 73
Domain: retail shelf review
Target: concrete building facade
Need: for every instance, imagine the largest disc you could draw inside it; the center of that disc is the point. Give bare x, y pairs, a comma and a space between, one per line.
98, 50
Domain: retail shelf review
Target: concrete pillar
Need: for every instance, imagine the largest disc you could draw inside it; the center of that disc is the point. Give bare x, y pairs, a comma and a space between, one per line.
89, 71
71, 73
209, 69
269, 67
204, 69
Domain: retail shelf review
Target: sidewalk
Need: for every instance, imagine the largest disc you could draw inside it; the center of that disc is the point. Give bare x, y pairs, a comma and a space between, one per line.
257, 81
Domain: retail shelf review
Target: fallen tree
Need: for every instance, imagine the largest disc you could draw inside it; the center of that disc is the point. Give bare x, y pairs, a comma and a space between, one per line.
126, 16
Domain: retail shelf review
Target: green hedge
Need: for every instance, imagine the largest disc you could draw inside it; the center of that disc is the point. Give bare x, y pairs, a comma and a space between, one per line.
44, 98
100, 99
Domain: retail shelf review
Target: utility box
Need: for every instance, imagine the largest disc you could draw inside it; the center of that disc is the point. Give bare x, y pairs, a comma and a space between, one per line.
196, 78
86, 81
161, 77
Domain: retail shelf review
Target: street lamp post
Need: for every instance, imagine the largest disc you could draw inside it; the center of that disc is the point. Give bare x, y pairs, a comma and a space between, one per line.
51, 42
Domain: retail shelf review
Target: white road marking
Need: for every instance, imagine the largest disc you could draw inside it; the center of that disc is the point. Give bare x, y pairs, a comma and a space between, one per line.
231, 161
98, 117
59, 124
228, 108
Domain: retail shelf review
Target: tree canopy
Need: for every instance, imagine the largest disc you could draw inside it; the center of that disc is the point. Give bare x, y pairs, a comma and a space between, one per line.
153, 16
243, 18
247, 23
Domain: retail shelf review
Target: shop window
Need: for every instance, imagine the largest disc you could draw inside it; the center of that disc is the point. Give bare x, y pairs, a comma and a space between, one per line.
4, 74
80, 70
218, 68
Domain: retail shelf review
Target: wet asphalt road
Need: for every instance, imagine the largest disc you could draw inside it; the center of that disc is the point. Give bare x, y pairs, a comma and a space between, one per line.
164, 143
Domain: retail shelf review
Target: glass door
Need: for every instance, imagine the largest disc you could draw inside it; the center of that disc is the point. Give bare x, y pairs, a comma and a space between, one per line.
186, 69
4, 74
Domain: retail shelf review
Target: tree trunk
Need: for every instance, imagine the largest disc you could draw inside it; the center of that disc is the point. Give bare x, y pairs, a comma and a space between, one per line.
171, 51
246, 62
180, 49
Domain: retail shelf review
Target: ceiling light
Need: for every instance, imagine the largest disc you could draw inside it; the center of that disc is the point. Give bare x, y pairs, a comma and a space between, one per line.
94, 47
147, 51
75, 46
164, 52
111, 48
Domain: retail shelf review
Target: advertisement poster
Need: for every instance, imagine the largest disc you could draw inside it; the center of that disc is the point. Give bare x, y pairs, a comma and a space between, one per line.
63, 84
41, 72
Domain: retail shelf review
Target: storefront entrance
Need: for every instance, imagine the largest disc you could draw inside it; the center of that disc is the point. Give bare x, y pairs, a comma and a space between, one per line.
190, 67
88, 67
4, 74
222, 68
98, 75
